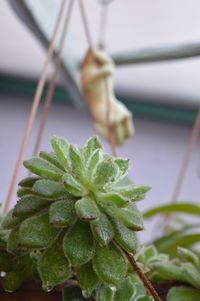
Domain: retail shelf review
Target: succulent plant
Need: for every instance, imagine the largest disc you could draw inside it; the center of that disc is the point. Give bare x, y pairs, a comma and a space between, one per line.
79, 212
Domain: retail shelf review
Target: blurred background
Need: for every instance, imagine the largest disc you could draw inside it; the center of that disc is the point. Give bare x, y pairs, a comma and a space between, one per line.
163, 96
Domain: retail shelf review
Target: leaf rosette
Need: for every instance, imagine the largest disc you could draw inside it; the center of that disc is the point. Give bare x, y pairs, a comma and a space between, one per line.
78, 212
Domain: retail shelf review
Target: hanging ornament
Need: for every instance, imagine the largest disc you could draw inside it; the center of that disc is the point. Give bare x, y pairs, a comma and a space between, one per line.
97, 68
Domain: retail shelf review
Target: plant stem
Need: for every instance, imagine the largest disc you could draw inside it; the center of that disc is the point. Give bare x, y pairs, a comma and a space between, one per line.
147, 283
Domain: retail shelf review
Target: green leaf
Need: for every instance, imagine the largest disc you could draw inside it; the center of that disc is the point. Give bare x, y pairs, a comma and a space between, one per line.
168, 271
50, 189
125, 237
73, 293
188, 255
92, 145
78, 244
61, 147
73, 186
191, 274
125, 292
129, 216
12, 281
53, 266
23, 191
109, 264
187, 208
87, 209
76, 161
28, 205
124, 165
6, 260
36, 232
104, 293
112, 198
132, 192
92, 162
13, 240
28, 181
42, 168
53, 159
183, 293
87, 278
102, 230
105, 173
62, 213
10, 221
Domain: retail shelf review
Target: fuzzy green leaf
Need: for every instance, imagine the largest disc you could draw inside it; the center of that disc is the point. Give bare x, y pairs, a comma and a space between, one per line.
191, 274
92, 145
50, 189
62, 213
53, 159
73, 186
129, 216
87, 278
10, 221
36, 232
30, 204
125, 292
102, 230
105, 173
125, 237
87, 209
132, 192
61, 147
23, 191
168, 271
28, 182
92, 162
109, 264
13, 240
112, 198
123, 166
183, 293
12, 281
53, 266
78, 244
105, 293
42, 168
76, 161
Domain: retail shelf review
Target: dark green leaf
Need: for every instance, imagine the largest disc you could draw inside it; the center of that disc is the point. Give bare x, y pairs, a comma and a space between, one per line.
12, 281
50, 189
23, 191
13, 240
10, 221
125, 292
5, 262
42, 168
28, 181
87, 209
62, 213
78, 244
102, 230
125, 237
36, 232
53, 266
73, 293
87, 278
53, 159
30, 204
109, 264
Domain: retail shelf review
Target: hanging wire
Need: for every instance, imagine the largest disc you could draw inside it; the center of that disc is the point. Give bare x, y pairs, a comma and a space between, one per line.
106, 84
51, 88
34, 109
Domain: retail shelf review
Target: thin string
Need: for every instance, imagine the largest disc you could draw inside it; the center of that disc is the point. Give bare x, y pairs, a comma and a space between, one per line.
108, 103
51, 88
34, 109
184, 167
